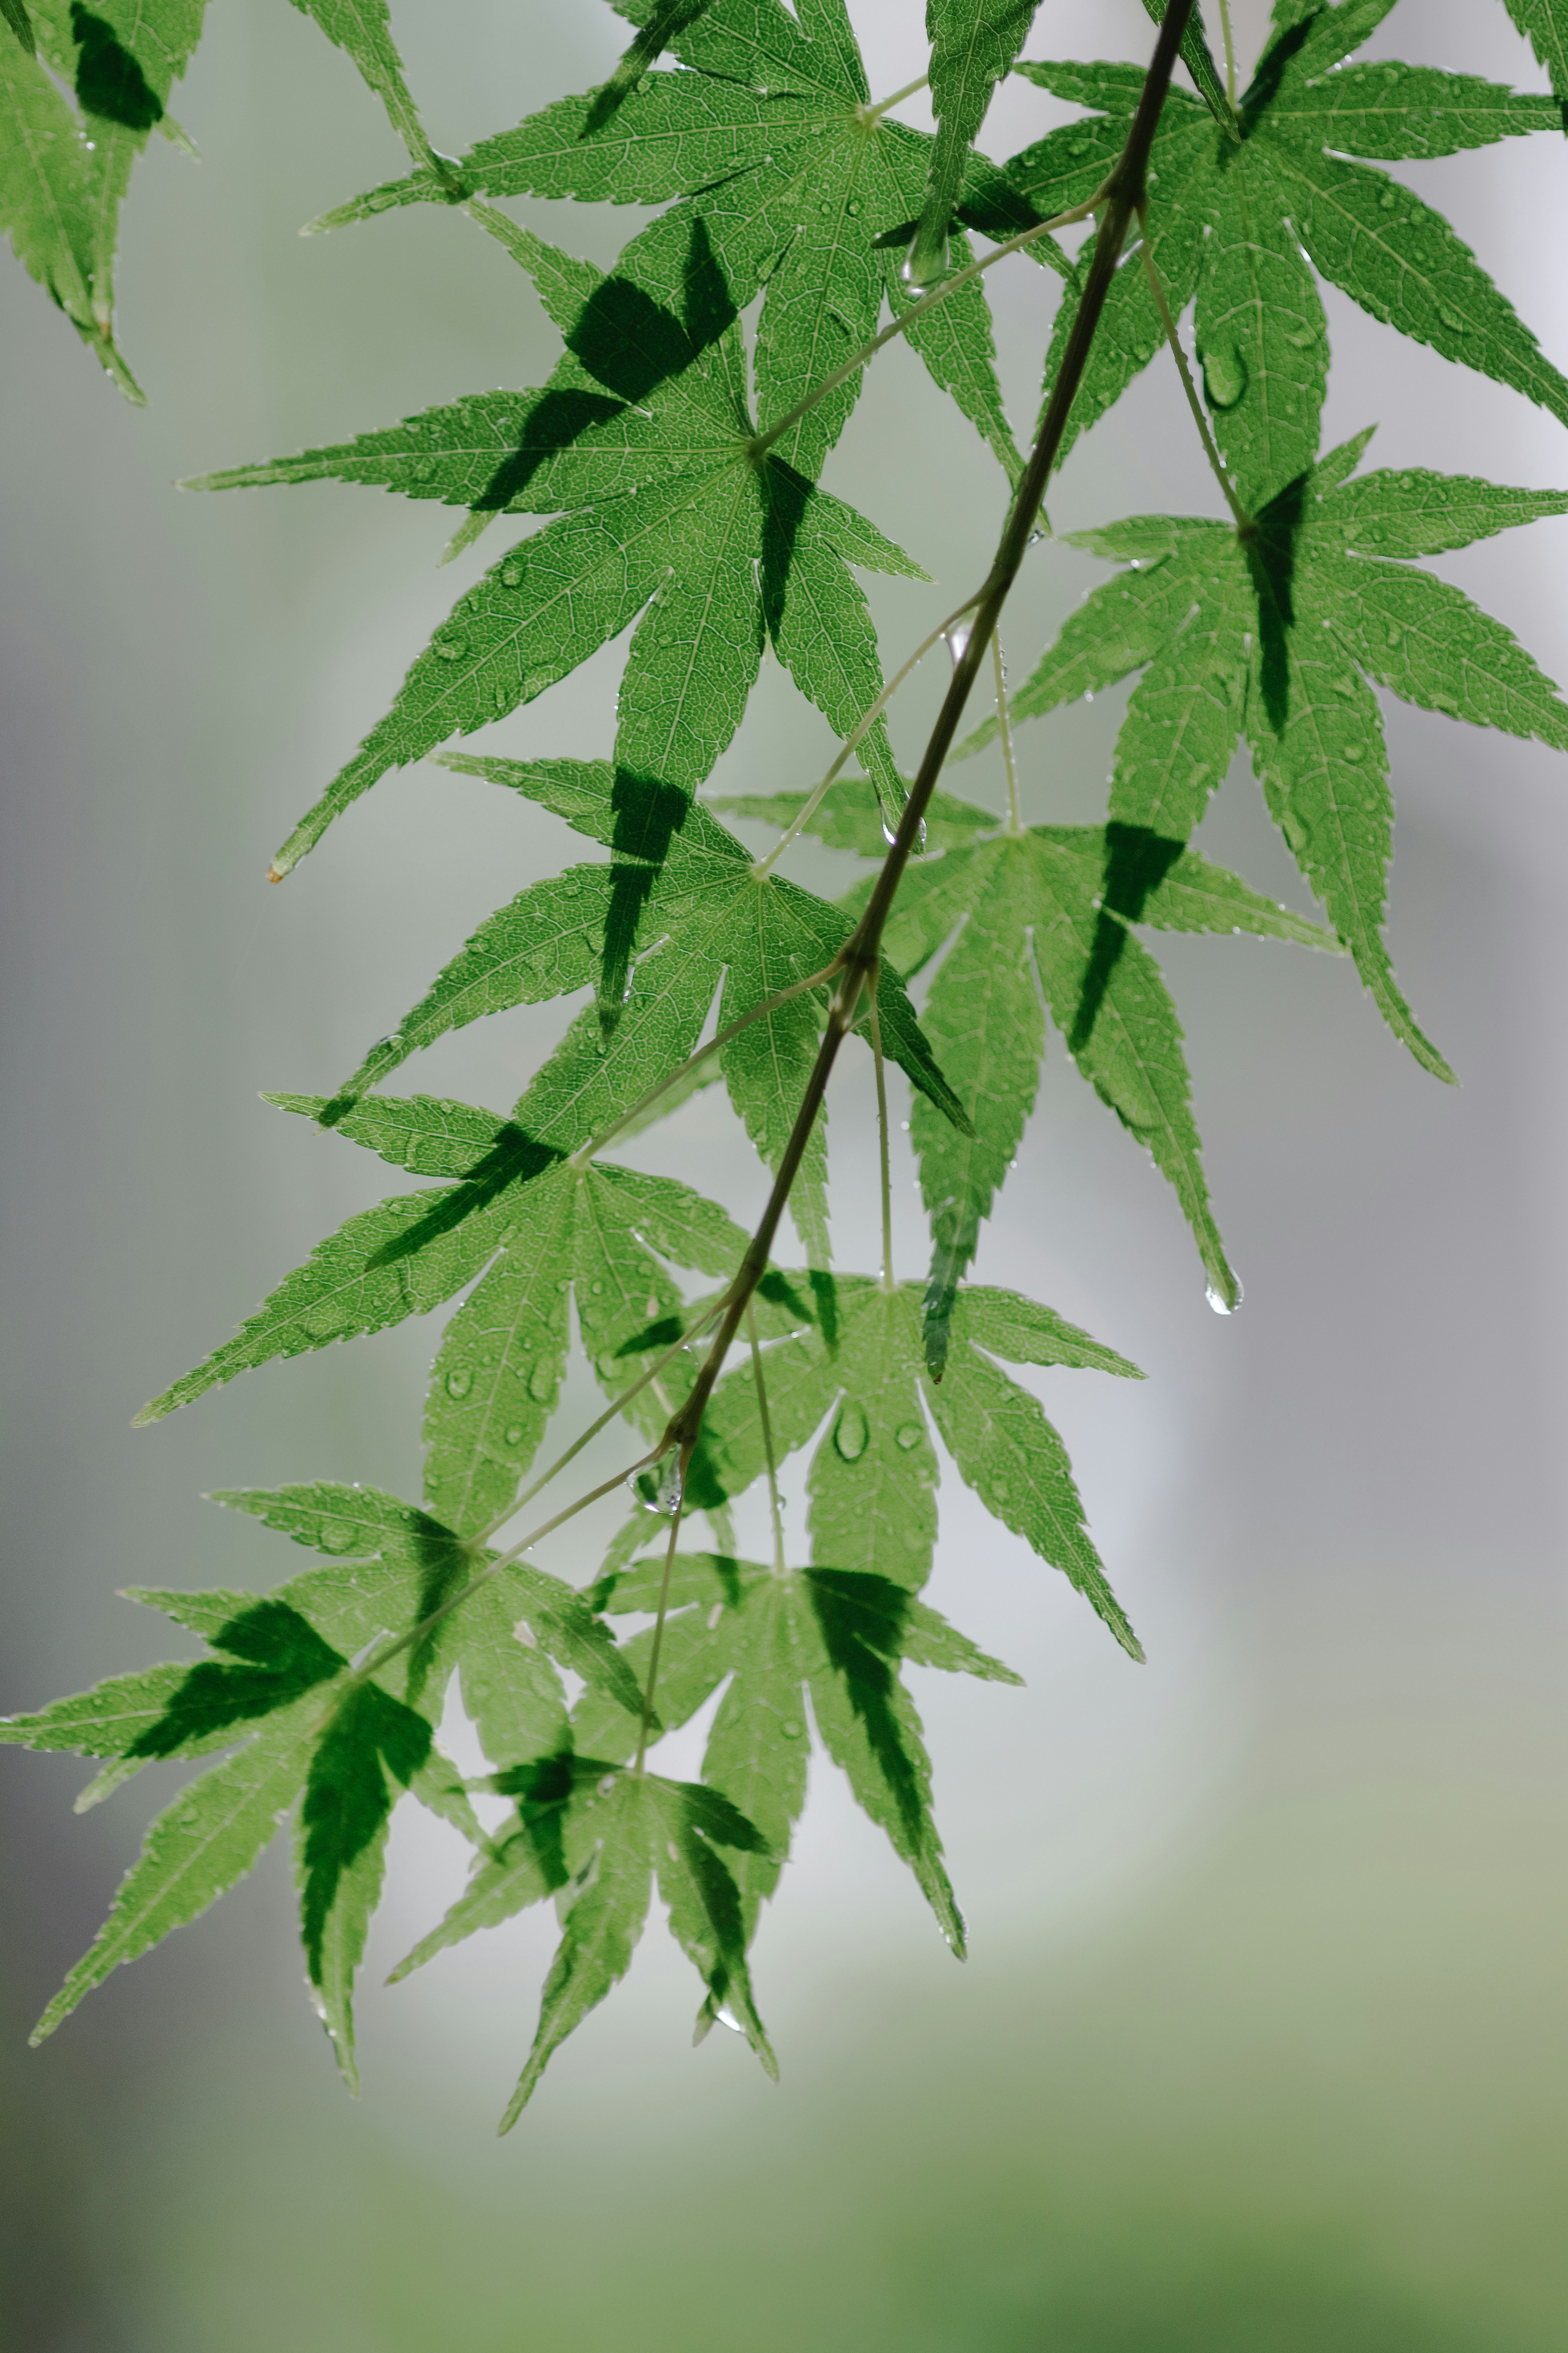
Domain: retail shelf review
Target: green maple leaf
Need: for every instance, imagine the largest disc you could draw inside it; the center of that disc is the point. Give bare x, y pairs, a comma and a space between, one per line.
362, 30
1544, 23
972, 44
64, 170
848, 1368
679, 919
718, 549
802, 188
1281, 636
839, 1636
535, 1230
1229, 216
1047, 915
596, 1838
333, 1745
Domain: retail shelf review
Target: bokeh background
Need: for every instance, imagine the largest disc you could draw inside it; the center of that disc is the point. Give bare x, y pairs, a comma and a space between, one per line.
1261, 2046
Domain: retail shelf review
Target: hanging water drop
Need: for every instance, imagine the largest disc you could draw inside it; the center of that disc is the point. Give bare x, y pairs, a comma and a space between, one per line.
661, 1488
1219, 1303
726, 2017
956, 637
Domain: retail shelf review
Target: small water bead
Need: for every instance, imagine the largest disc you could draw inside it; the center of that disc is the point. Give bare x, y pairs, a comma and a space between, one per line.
852, 1432
908, 1435
335, 1537
1220, 1303
726, 2017
956, 637
459, 1381
791, 1727
450, 648
1452, 320
650, 1305
510, 575
1224, 377
514, 1436
543, 1384
853, 205
523, 1632
1354, 753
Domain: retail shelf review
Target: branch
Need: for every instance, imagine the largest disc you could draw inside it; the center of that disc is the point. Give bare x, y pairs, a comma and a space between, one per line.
1124, 194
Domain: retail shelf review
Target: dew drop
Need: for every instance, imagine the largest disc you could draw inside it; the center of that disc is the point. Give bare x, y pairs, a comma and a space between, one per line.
650, 1305
606, 1785
1354, 753
853, 205
514, 1436
523, 1632
1217, 1300
336, 1536
510, 575
852, 1433
1452, 320
450, 648
459, 1381
908, 1435
542, 1385
791, 1728
1388, 200
726, 2017
956, 637
1224, 377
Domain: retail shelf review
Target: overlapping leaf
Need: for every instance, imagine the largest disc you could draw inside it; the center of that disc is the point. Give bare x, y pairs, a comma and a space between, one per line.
1544, 23
333, 1745
1046, 913
538, 1230
64, 169
1283, 637
597, 1838
802, 188
677, 920
1229, 216
718, 549
850, 1370
840, 1637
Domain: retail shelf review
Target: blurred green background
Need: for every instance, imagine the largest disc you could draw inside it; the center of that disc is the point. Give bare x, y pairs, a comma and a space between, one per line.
1262, 2045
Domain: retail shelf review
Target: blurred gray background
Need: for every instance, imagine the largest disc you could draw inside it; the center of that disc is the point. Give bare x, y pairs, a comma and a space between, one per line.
1261, 2046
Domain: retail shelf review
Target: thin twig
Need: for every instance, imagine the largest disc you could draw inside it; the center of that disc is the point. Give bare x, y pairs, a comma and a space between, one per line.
1125, 194
1243, 520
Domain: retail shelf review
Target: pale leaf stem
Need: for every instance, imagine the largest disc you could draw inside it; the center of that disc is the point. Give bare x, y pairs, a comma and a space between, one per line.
1014, 824
916, 311
1229, 51
1243, 520
658, 1628
875, 1027
775, 1503
585, 1151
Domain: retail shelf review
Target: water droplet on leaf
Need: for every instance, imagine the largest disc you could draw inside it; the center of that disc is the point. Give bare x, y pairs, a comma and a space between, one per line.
1218, 1301
908, 1435
1225, 376
852, 1433
459, 1381
542, 1385
336, 1536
